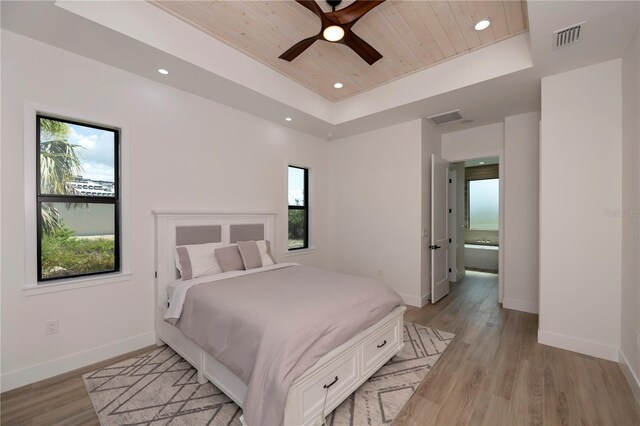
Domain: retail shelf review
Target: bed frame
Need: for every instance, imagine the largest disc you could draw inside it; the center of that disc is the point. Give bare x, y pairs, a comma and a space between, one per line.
337, 374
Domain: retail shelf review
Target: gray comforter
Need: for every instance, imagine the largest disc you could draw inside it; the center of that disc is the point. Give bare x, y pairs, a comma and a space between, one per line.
270, 327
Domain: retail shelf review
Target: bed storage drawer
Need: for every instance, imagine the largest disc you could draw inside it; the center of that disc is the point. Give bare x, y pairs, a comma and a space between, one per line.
377, 349
339, 376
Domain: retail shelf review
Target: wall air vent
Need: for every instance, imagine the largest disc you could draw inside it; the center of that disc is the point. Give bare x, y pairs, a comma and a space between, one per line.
567, 36
447, 117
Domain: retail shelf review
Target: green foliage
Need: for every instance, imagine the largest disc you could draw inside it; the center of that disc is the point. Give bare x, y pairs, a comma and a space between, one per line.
51, 220
59, 163
53, 129
64, 254
296, 224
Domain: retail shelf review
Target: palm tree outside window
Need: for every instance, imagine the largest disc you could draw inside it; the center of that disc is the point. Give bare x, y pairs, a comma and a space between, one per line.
78, 199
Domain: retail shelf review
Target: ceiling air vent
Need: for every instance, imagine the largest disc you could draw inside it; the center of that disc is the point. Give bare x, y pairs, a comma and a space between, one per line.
447, 117
567, 36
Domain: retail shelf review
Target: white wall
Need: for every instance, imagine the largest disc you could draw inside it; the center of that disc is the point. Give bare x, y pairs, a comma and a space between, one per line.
580, 244
477, 142
376, 208
521, 193
631, 208
185, 153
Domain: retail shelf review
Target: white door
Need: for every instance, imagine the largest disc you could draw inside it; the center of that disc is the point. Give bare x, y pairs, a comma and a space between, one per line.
439, 229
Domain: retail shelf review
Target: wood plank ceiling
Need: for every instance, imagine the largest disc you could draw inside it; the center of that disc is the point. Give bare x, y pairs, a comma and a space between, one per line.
411, 36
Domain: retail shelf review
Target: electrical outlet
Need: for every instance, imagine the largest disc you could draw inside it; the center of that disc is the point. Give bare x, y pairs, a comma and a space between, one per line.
52, 327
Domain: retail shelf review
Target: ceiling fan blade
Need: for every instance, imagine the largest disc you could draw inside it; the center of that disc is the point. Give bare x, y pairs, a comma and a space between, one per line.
298, 48
361, 47
353, 12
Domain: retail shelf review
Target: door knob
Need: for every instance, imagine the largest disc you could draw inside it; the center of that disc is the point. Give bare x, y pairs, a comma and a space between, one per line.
434, 247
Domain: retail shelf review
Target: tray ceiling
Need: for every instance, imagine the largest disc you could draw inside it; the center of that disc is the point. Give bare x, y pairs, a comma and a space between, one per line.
411, 36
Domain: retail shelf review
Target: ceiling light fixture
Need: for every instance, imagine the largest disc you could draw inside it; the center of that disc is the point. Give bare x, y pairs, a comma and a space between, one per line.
288, 118
338, 85
481, 163
482, 24
163, 71
333, 33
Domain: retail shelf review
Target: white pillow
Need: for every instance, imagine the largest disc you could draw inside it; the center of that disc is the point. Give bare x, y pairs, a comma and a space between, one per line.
264, 249
197, 260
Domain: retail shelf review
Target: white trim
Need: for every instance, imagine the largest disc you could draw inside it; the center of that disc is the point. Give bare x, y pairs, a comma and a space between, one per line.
74, 283
299, 252
630, 375
576, 344
452, 224
520, 305
425, 299
47, 369
30, 213
412, 300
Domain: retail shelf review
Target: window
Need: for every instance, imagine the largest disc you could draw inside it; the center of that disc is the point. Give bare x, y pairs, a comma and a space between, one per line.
78, 200
298, 208
484, 204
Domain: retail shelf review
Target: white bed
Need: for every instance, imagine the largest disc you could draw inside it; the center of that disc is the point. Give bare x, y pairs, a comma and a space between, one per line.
343, 369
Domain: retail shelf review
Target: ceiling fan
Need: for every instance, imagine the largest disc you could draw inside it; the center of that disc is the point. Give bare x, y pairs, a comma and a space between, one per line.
336, 28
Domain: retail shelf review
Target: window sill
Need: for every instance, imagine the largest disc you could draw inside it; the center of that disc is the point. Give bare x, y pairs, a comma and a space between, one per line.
74, 283
299, 252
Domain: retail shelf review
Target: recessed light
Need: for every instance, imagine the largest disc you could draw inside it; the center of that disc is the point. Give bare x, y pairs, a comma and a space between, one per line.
288, 118
338, 85
481, 163
163, 71
333, 33
482, 25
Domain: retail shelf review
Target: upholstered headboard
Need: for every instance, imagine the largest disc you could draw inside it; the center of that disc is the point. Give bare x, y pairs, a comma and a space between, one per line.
185, 228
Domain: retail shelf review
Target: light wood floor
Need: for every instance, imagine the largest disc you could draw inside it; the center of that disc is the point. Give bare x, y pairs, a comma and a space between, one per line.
494, 372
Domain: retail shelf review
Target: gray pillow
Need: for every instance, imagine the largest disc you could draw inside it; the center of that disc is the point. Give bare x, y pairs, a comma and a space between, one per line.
229, 258
250, 254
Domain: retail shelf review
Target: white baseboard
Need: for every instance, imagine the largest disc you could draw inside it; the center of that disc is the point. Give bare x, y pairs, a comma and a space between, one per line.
631, 377
520, 305
575, 344
411, 300
425, 299
45, 370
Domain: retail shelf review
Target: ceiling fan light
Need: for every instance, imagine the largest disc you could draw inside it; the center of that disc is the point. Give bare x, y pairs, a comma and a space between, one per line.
482, 25
333, 33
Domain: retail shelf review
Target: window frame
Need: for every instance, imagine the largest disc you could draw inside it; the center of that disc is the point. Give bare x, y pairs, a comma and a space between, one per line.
62, 198
305, 208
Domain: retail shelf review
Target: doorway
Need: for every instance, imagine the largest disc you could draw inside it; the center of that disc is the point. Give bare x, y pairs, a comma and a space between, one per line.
475, 202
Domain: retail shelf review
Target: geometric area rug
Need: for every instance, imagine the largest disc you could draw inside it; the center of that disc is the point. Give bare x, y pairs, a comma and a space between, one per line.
161, 388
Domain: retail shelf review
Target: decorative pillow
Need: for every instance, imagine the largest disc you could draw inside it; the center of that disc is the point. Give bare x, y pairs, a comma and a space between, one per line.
265, 252
197, 260
229, 258
250, 254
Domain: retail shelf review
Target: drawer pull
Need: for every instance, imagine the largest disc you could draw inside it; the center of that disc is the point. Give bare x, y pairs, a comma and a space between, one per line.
331, 384
381, 345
